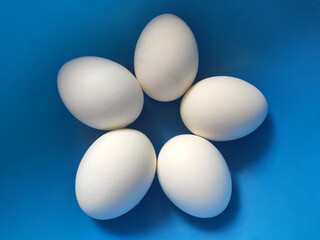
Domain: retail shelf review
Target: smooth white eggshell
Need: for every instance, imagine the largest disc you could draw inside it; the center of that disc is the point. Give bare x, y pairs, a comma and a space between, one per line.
166, 58
115, 173
194, 176
100, 93
223, 108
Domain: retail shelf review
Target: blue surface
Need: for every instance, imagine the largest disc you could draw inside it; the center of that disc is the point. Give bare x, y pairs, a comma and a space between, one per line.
273, 44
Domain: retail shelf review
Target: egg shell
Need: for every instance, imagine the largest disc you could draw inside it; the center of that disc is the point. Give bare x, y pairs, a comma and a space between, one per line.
115, 173
194, 176
223, 108
166, 58
100, 93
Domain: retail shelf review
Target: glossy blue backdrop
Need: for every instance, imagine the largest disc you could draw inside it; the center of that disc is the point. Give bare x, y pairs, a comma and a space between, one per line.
272, 44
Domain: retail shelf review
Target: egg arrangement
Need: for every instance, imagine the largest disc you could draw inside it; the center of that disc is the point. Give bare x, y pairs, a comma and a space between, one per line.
117, 170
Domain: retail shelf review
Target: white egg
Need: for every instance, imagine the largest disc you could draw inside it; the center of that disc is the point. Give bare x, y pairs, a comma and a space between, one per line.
100, 93
223, 108
115, 173
166, 58
194, 176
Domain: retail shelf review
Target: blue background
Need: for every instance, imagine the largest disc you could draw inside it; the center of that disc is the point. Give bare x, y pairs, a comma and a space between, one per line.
272, 44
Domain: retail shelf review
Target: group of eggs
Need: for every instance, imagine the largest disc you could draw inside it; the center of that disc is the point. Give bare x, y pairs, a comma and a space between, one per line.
118, 168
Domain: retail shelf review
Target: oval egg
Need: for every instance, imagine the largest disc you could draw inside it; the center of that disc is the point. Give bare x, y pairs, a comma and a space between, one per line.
166, 58
100, 93
223, 108
115, 173
194, 176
